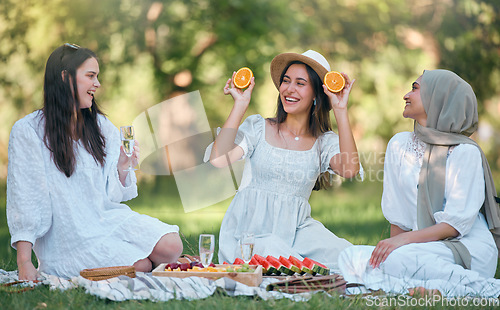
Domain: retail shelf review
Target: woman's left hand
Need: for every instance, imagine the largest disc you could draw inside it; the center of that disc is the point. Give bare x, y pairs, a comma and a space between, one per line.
339, 100
124, 160
385, 247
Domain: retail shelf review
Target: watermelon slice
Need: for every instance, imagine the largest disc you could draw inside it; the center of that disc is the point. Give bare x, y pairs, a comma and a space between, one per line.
316, 267
253, 261
278, 265
303, 269
289, 265
238, 261
269, 269
259, 258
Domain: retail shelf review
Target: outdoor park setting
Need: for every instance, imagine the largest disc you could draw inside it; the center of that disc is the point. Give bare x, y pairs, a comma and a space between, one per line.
152, 52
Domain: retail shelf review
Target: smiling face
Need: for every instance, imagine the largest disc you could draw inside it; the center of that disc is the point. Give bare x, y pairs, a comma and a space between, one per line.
87, 82
296, 90
414, 107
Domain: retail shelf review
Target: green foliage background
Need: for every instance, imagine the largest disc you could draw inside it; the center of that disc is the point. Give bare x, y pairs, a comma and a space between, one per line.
153, 50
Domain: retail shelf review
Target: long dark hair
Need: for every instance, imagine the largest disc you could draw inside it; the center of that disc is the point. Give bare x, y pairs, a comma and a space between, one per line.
319, 118
64, 120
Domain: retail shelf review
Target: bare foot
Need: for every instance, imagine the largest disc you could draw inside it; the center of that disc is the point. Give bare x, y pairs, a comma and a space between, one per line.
419, 292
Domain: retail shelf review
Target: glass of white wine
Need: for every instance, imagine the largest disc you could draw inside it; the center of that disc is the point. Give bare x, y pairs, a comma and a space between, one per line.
207, 246
247, 243
127, 136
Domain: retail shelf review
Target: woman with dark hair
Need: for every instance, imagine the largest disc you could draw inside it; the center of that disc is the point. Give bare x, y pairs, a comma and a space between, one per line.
66, 181
284, 157
439, 199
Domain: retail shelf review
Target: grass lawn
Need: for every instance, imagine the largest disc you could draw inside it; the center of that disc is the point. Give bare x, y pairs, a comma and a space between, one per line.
351, 211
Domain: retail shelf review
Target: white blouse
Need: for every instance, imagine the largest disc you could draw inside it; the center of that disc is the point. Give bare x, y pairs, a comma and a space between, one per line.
464, 187
430, 264
77, 222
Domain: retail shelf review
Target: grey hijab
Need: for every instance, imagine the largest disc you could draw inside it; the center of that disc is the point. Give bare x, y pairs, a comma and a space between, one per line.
451, 108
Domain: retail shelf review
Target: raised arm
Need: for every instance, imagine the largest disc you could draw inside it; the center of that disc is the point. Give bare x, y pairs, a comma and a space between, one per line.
224, 150
345, 163
124, 161
120, 185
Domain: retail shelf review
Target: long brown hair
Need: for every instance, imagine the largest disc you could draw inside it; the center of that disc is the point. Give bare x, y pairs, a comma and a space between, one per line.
319, 118
64, 120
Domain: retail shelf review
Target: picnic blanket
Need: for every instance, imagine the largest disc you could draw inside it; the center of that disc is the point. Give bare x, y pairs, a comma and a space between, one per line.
147, 287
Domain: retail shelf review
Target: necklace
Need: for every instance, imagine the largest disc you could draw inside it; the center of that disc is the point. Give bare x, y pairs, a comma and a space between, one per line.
297, 136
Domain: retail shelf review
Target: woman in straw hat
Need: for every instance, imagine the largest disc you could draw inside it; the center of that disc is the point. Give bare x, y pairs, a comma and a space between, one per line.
284, 156
66, 181
439, 199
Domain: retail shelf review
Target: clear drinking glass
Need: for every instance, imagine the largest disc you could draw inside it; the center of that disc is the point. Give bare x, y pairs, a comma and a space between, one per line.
127, 136
207, 246
247, 243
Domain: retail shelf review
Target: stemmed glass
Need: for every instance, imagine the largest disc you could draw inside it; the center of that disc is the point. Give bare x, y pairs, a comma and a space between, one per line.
127, 136
207, 246
247, 243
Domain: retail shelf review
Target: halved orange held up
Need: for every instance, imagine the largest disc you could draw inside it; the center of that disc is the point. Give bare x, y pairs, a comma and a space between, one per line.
242, 77
334, 81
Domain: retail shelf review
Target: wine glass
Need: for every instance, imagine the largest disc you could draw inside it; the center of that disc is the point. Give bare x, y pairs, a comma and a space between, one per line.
247, 243
207, 245
127, 136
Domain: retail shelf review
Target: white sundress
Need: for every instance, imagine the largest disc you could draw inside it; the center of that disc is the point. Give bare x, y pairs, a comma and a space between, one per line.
77, 222
430, 264
272, 201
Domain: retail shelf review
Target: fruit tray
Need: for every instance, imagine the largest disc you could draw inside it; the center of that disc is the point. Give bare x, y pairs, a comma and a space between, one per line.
248, 278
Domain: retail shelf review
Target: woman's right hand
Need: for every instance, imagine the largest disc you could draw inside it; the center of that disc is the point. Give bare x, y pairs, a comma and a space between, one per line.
27, 272
241, 98
339, 100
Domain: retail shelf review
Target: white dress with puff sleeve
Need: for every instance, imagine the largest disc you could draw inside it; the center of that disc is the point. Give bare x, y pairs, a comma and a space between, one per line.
77, 222
430, 265
272, 200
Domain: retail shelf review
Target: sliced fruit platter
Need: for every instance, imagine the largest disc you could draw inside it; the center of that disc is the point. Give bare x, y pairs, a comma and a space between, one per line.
249, 275
286, 266
198, 267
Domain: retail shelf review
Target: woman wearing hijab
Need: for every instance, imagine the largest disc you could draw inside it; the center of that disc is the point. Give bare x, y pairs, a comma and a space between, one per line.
439, 199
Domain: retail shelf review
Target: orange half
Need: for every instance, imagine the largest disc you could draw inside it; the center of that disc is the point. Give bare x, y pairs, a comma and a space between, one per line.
334, 81
242, 77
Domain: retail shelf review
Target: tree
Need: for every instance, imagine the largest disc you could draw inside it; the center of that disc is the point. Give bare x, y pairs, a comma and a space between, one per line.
152, 50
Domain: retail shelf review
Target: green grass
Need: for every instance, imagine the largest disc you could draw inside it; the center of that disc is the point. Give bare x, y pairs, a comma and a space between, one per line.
351, 211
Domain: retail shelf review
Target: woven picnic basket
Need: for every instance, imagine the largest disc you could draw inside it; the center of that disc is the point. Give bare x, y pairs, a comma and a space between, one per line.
96, 274
301, 284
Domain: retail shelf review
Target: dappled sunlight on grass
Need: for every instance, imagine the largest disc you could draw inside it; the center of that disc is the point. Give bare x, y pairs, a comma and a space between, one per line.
352, 211
162, 201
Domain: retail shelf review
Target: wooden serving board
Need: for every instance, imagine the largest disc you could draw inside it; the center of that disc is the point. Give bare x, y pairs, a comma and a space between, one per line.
247, 278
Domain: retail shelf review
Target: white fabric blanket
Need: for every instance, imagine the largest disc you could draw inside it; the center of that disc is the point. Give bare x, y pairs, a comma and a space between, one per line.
147, 287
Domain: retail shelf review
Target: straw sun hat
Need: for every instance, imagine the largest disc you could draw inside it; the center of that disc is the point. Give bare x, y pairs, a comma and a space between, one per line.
312, 58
